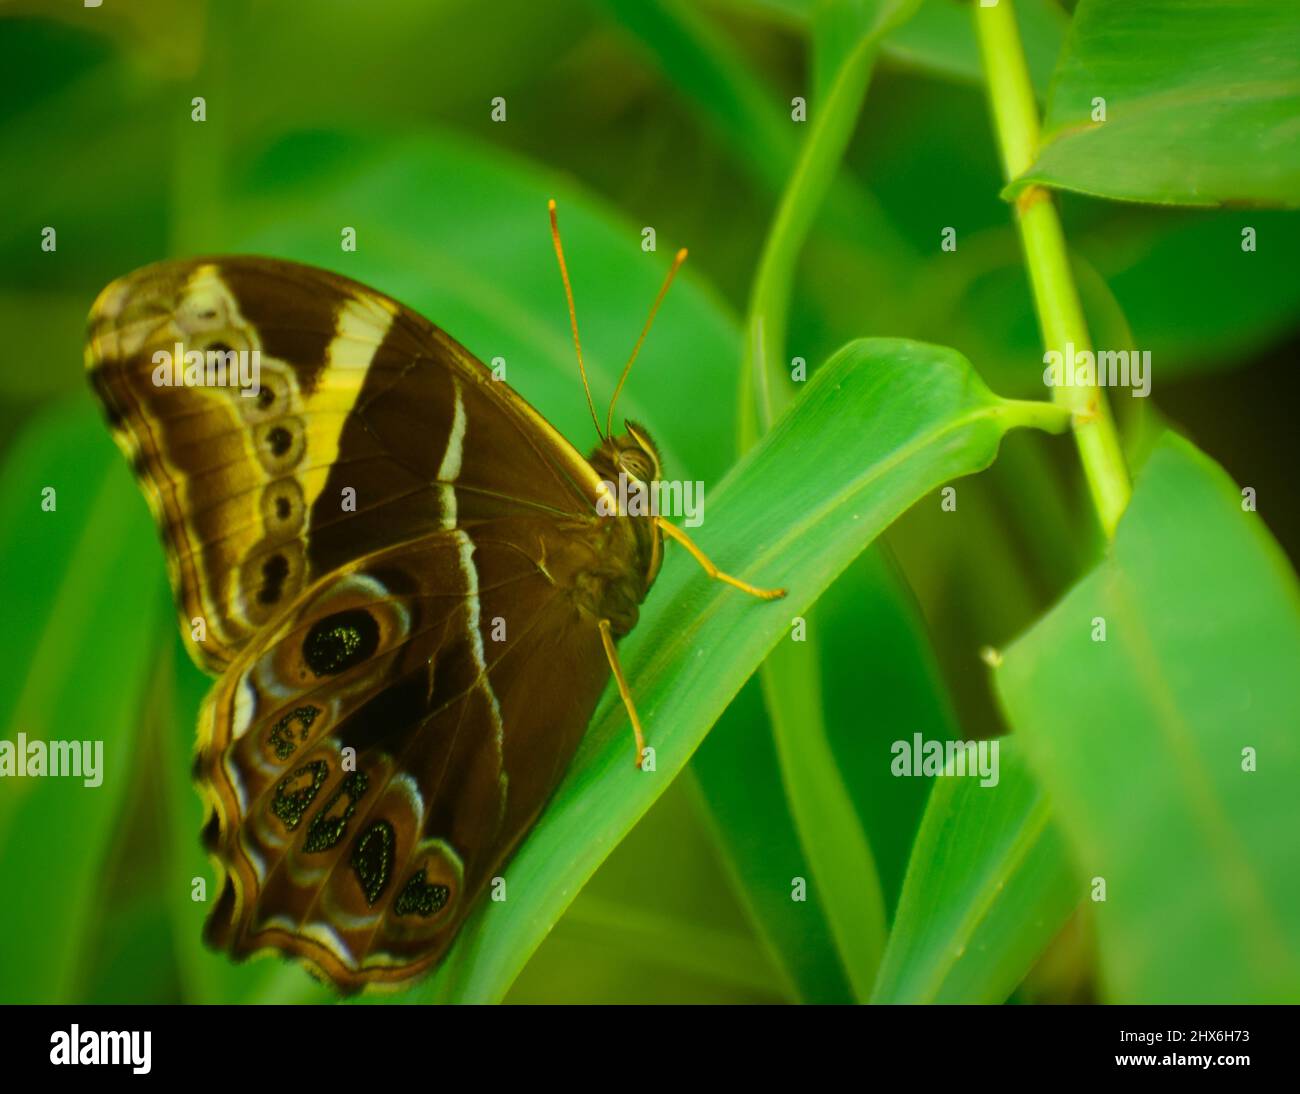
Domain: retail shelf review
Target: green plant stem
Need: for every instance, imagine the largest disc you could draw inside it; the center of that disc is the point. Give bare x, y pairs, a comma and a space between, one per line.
1036, 414
1056, 299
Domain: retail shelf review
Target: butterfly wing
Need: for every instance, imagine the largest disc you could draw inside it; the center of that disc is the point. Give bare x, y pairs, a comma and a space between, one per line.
393, 558
350, 435
372, 760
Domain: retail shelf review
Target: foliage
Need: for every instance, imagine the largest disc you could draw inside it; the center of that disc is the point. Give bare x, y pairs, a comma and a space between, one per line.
820, 241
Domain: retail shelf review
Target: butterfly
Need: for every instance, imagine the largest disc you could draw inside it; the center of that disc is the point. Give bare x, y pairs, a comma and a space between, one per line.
406, 580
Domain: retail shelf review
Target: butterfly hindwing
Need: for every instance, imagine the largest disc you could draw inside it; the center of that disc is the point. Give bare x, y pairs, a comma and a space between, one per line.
372, 760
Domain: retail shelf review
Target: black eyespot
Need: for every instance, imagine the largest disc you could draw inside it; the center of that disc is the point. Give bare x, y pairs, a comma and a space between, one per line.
340, 641
219, 347
282, 507
274, 570
282, 733
419, 897
296, 791
328, 827
265, 397
372, 859
280, 440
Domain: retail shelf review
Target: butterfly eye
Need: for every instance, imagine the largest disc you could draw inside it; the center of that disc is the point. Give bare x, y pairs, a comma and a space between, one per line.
296, 791
281, 444
421, 897
372, 859
283, 510
285, 734
340, 642
273, 398
633, 461
275, 568
328, 825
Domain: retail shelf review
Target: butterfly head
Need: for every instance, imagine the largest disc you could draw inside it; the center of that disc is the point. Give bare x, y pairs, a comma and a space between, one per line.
630, 462
636, 454
632, 456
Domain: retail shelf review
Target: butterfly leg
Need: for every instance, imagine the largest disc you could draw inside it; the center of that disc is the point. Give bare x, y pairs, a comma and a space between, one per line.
673, 532
607, 637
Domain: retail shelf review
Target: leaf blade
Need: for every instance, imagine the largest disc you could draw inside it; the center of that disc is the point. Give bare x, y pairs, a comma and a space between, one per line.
933, 419
1200, 102
1142, 734
990, 883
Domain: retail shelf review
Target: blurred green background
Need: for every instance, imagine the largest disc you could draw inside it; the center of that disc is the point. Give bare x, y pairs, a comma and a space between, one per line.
674, 116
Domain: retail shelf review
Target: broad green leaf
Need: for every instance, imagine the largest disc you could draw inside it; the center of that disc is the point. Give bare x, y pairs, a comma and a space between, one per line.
873, 643
81, 584
842, 867
656, 923
1200, 100
882, 423
738, 778
879, 682
1170, 749
990, 884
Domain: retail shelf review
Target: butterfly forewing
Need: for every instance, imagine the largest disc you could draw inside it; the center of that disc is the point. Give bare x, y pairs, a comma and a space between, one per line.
394, 562
351, 439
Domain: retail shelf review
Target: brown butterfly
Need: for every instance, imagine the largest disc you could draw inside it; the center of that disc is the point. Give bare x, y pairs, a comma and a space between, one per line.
401, 573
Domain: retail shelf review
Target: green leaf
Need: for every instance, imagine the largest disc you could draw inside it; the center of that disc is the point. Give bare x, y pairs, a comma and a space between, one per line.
78, 649
1201, 98
739, 778
878, 683
883, 422
990, 884
1141, 740
656, 923
843, 874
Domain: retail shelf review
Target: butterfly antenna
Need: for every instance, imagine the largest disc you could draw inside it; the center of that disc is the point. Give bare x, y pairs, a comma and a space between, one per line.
663, 291
573, 315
